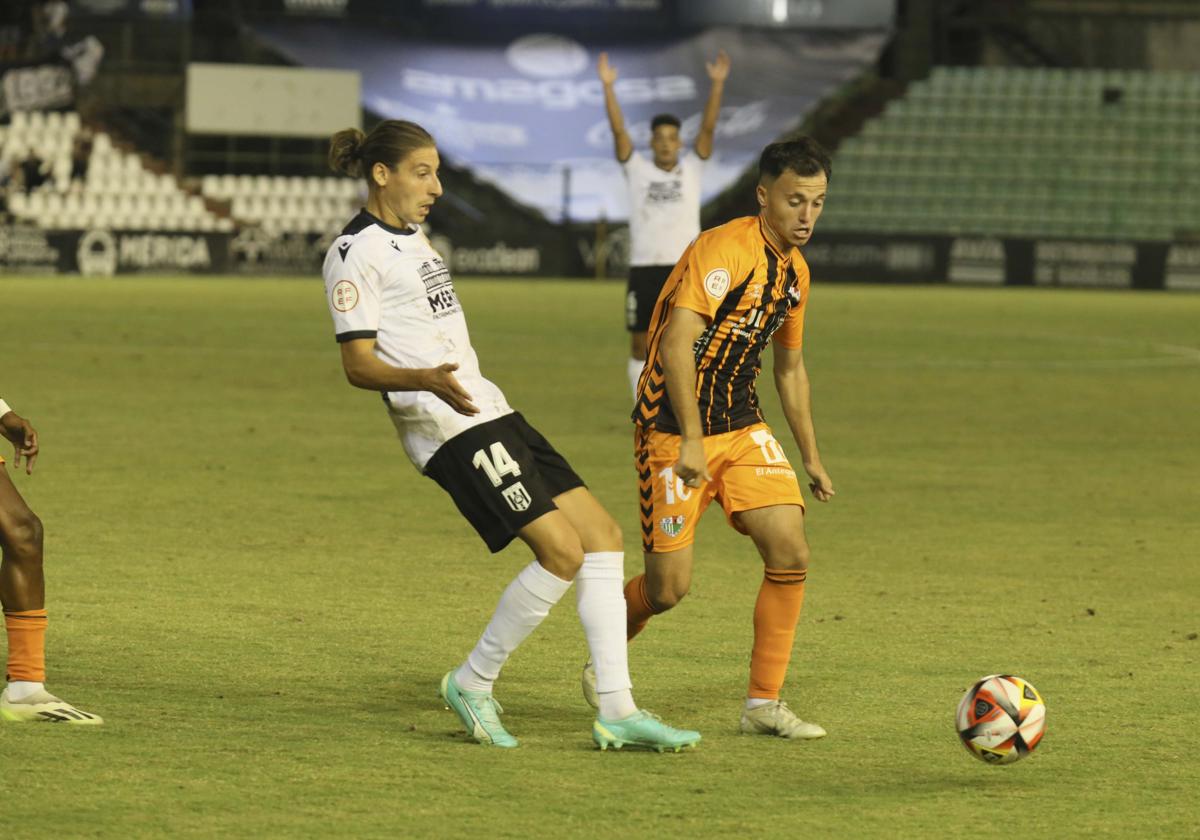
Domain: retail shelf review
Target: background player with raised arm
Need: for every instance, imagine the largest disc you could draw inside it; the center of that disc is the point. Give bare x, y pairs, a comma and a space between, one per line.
700, 434
664, 199
23, 593
403, 334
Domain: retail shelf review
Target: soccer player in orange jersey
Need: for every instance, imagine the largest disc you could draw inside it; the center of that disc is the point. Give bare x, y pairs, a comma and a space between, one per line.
700, 434
22, 592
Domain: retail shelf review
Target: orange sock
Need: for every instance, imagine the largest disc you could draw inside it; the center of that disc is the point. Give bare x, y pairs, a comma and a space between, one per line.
637, 607
26, 645
775, 615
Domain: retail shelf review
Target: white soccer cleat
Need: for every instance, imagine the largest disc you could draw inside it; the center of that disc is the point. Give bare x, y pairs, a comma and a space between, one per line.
775, 718
43, 707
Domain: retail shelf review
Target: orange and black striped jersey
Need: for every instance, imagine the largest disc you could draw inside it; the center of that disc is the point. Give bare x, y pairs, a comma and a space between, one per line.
748, 292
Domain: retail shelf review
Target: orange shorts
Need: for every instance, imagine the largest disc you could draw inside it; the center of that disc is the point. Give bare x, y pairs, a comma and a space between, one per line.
749, 470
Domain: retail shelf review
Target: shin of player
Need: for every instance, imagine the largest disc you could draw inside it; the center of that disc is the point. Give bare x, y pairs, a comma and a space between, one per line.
22, 592
403, 334
701, 435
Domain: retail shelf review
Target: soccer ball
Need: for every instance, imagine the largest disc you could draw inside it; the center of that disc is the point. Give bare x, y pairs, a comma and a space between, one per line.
1001, 719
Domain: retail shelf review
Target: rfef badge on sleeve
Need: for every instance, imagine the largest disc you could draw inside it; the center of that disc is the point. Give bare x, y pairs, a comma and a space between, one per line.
716, 283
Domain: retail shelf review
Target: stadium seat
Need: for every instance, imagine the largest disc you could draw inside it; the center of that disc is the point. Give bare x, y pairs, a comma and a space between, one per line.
1043, 140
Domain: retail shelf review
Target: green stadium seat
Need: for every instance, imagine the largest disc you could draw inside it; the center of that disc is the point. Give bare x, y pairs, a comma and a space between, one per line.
1036, 151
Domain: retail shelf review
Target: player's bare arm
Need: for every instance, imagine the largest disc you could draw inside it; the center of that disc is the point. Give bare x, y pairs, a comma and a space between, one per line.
366, 370
791, 381
622, 144
718, 72
679, 372
23, 438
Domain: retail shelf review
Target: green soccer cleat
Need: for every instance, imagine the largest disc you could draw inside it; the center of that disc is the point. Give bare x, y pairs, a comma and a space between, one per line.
43, 707
587, 681
775, 718
643, 730
479, 713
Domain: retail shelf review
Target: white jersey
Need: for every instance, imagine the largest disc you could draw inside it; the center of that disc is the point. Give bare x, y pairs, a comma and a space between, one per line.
388, 283
664, 214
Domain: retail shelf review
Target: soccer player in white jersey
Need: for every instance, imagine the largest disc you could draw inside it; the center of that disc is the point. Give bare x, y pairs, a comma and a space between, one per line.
402, 333
664, 199
23, 593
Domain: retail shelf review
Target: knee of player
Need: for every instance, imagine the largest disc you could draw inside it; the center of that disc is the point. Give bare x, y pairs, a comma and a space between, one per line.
24, 536
663, 598
792, 556
563, 557
606, 536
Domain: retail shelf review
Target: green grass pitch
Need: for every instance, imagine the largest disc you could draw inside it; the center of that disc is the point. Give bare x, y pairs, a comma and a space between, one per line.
252, 585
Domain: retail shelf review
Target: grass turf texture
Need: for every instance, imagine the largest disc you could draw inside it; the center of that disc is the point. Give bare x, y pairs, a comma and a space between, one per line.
259, 594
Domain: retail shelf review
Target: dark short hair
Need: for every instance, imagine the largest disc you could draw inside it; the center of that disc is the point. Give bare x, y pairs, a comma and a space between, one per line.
664, 119
802, 155
355, 154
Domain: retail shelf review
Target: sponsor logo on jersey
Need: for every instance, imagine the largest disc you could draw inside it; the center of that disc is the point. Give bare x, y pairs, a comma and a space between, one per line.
344, 249
345, 296
672, 525
665, 192
716, 283
433, 274
439, 290
517, 496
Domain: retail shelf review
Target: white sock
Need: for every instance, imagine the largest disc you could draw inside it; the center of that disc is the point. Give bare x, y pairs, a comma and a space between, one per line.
634, 368
18, 690
523, 606
755, 702
601, 603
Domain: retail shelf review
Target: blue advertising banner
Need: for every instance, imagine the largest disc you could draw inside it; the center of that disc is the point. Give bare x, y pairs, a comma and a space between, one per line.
529, 115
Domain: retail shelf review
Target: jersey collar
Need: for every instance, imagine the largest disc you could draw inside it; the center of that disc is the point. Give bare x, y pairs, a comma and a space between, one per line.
766, 237
404, 231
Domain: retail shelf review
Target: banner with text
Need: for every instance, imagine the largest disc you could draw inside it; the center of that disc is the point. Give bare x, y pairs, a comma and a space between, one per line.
529, 115
49, 83
996, 261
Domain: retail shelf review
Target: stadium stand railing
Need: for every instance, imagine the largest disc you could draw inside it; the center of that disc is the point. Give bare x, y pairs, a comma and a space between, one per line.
1093, 154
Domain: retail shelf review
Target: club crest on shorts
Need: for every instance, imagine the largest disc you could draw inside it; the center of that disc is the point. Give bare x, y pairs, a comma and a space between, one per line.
517, 496
672, 525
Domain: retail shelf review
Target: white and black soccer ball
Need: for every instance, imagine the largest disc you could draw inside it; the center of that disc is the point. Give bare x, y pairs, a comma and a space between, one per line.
1001, 719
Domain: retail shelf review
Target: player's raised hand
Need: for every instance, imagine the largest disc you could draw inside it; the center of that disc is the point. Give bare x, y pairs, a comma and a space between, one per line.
718, 70
821, 484
606, 72
692, 466
23, 438
446, 387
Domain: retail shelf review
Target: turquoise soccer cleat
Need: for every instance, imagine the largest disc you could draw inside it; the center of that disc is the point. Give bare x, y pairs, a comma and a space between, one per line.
643, 730
479, 713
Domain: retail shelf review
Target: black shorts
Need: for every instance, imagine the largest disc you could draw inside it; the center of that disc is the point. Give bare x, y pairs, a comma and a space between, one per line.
502, 475
645, 285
